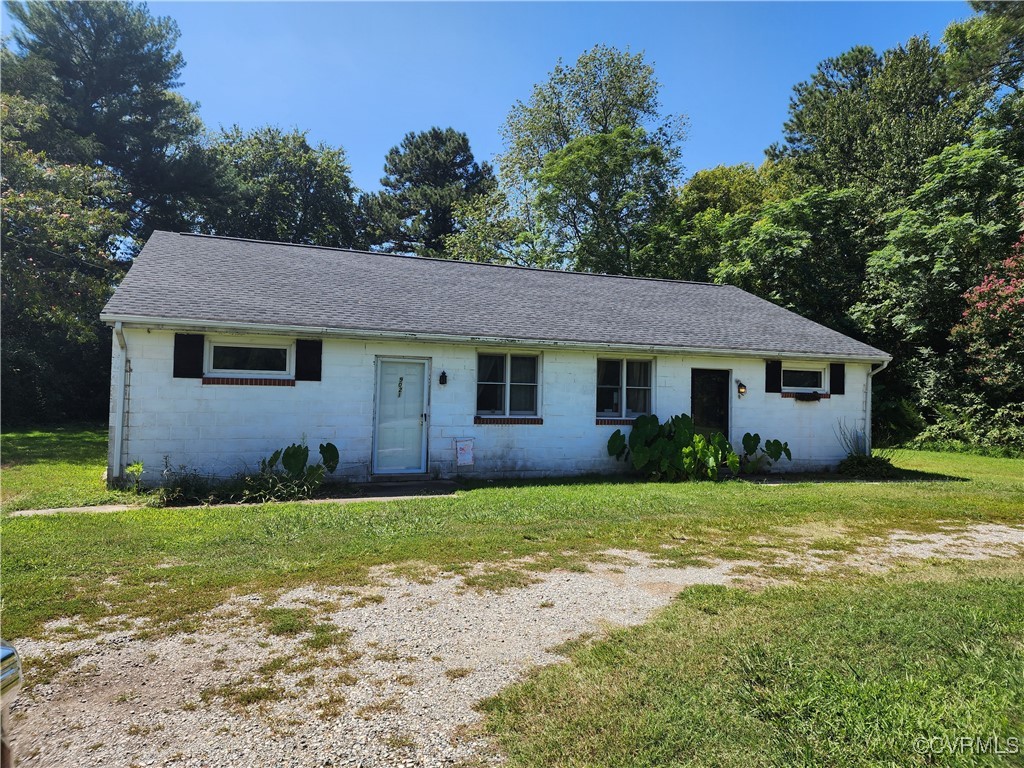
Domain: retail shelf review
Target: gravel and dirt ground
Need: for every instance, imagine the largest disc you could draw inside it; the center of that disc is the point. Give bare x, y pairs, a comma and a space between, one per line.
386, 675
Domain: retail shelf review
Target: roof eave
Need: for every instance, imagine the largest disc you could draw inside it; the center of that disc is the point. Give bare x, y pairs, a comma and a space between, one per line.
216, 326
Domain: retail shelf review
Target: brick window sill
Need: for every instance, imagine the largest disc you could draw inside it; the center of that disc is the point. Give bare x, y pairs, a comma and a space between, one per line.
246, 382
505, 420
614, 422
795, 396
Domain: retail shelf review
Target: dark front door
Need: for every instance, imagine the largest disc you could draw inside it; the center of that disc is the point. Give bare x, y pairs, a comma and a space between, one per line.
709, 400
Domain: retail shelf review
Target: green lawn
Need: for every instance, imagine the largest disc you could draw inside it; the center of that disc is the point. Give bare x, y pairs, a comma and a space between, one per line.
173, 564
836, 671
56, 467
871, 672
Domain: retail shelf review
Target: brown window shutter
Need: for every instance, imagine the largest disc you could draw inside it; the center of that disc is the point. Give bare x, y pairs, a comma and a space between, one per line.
188, 355
308, 359
837, 379
772, 375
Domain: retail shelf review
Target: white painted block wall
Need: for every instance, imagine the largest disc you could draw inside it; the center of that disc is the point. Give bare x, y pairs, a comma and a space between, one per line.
221, 430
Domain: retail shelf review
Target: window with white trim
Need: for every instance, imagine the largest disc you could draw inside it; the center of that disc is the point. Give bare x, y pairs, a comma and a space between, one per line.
507, 385
624, 388
803, 378
232, 357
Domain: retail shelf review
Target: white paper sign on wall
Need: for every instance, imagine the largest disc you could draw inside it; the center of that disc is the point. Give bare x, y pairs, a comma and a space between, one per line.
464, 451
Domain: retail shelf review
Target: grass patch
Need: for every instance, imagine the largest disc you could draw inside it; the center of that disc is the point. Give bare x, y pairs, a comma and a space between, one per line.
369, 711
41, 670
57, 467
170, 566
572, 645
240, 694
457, 673
366, 600
399, 741
498, 580
331, 706
327, 635
346, 678
821, 673
285, 621
270, 668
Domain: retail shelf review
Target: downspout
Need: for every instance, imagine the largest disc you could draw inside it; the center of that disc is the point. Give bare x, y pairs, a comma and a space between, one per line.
118, 437
867, 403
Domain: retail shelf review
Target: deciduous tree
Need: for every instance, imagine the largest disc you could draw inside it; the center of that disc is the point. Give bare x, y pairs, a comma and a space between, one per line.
587, 157
60, 240
283, 189
992, 330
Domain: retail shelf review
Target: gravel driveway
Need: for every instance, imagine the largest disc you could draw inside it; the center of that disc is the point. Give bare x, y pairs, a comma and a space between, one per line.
394, 682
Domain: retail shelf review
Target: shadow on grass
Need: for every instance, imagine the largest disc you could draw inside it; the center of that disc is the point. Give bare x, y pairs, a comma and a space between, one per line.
68, 443
475, 483
898, 476
779, 478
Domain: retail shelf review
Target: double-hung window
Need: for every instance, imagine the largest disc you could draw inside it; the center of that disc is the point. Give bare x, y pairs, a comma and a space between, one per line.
624, 388
507, 385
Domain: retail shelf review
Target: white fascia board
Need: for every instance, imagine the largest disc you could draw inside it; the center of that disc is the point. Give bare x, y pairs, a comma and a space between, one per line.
213, 326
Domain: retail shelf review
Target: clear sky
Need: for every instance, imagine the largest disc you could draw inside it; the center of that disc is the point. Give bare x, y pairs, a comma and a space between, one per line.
361, 75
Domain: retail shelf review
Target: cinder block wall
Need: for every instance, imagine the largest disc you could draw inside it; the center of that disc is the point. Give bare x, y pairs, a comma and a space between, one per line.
221, 430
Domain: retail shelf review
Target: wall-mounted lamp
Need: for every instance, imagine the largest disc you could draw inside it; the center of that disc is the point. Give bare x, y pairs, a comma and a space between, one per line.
741, 388
443, 378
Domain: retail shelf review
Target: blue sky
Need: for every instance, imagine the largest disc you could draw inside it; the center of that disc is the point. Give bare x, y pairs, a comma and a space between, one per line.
361, 75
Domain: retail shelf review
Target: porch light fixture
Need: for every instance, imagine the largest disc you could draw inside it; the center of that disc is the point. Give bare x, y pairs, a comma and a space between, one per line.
443, 378
741, 388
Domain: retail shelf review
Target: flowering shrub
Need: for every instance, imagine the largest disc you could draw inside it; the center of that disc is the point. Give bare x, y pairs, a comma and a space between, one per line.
992, 330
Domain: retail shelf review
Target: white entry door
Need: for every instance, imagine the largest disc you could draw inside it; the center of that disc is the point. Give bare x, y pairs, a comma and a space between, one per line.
400, 442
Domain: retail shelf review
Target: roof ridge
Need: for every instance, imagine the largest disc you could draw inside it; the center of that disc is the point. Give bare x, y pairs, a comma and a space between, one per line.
446, 261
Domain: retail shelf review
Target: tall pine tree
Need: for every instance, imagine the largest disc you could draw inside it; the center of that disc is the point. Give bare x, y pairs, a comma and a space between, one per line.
426, 177
107, 74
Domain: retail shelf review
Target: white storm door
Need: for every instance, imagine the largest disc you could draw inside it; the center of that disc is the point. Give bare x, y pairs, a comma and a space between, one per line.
400, 442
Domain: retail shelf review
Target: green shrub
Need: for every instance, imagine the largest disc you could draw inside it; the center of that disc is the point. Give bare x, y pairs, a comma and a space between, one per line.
867, 466
296, 479
285, 475
757, 460
673, 450
131, 480
182, 486
974, 427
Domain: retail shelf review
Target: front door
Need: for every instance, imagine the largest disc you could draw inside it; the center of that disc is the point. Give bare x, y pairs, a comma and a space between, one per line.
709, 400
400, 439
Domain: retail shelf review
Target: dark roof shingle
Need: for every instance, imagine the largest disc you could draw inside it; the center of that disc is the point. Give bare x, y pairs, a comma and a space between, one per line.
232, 281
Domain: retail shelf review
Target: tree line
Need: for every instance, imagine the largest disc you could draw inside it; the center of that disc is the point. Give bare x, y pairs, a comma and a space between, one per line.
890, 210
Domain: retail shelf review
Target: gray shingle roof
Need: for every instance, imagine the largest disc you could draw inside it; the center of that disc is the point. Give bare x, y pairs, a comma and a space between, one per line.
227, 281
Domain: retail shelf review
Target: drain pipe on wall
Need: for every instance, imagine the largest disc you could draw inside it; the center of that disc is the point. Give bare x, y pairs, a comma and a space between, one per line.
114, 468
867, 403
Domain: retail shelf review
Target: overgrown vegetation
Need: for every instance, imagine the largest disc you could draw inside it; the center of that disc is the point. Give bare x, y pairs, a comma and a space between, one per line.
860, 672
867, 467
676, 451
861, 461
285, 475
296, 479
